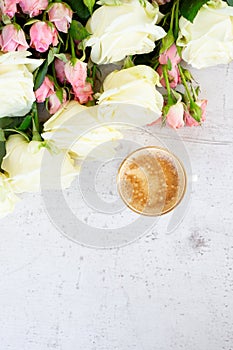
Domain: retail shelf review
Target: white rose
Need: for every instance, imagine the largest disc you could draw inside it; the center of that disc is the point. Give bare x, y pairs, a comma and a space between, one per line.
133, 86
7, 197
16, 83
76, 128
24, 160
208, 41
125, 29
81, 129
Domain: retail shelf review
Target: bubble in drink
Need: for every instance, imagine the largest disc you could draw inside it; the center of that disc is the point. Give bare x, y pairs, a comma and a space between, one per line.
151, 181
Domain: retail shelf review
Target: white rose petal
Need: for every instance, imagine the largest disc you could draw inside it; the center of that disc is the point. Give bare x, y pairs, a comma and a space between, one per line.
81, 129
16, 83
133, 86
125, 29
24, 160
76, 128
7, 197
208, 41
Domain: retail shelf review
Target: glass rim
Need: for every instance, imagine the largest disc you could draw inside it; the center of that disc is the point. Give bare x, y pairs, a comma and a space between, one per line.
181, 167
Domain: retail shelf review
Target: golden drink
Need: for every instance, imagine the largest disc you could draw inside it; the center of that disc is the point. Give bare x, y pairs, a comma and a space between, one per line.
151, 181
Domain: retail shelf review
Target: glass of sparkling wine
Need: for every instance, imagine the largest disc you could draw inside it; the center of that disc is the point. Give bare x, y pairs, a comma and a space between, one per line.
151, 181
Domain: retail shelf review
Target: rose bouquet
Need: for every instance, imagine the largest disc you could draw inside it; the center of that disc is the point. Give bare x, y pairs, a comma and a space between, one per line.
52, 54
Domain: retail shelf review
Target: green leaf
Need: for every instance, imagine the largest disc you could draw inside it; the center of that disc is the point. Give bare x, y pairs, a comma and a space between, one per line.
31, 21
230, 2
78, 31
4, 122
89, 4
5, 19
79, 7
167, 41
62, 57
25, 123
59, 94
128, 62
189, 9
2, 135
8, 122
19, 132
41, 75
169, 64
50, 57
2, 151
195, 111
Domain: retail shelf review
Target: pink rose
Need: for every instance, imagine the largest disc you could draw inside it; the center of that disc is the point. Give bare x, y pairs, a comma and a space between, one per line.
54, 102
43, 35
60, 68
8, 7
45, 90
189, 120
171, 54
175, 116
76, 75
33, 7
83, 94
173, 76
61, 15
12, 38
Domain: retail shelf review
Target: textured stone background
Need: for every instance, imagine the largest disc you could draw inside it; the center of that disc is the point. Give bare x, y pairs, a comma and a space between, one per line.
161, 292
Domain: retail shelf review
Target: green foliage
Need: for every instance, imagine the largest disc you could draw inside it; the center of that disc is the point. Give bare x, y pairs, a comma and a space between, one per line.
26, 123
89, 4
40, 75
2, 151
169, 64
167, 41
230, 2
2, 135
8, 122
79, 7
189, 9
78, 31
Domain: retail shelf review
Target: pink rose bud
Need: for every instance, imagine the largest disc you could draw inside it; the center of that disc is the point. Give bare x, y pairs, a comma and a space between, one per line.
189, 120
175, 116
45, 90
43, 35
54, 102
12, 38
61, 15
173, 76
8, 7
83, 94
60, 68
171, 54
76, 75
33, 7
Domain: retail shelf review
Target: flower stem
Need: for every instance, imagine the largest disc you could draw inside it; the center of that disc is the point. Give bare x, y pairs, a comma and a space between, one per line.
54, 77
35, 124
172, 15
165, 75
72, 48
185, 83
176, 30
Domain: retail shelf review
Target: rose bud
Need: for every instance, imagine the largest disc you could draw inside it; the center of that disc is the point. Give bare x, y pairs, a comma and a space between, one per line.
33, 7
43, 34
45, 90
13, 38
61, 15
175, 116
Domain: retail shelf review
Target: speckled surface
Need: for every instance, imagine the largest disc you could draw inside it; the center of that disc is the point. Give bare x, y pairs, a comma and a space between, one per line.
161, 292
